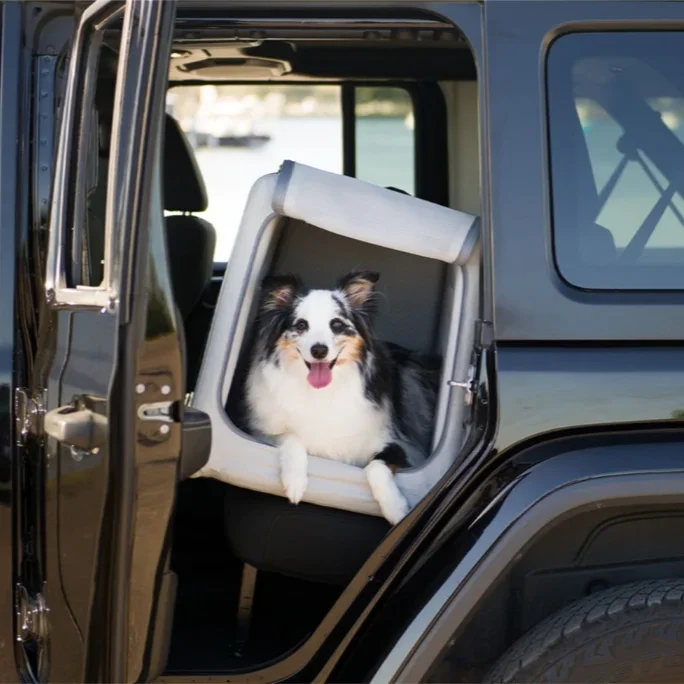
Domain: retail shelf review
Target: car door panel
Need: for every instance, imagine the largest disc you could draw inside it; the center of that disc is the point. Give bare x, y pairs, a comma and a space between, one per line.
82, 473
104, 337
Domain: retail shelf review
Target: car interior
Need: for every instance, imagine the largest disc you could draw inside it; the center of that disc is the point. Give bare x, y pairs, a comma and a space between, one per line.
256, 575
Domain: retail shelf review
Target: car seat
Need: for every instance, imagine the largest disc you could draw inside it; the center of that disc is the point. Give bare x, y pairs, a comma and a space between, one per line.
190, 239
319, 225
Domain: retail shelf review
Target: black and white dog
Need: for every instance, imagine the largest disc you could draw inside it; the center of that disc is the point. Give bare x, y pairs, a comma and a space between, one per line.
321, 384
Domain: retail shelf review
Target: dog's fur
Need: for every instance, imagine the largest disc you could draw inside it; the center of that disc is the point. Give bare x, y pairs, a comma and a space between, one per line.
321, 384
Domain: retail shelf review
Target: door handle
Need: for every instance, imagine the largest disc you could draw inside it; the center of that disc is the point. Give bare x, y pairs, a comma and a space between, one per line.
81, 428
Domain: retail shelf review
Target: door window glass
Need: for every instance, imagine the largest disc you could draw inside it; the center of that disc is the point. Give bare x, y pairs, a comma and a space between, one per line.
93, 127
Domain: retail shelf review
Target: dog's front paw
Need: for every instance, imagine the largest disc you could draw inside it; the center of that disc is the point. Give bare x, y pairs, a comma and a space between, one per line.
294, 482
392, 503
396, 510
293, 466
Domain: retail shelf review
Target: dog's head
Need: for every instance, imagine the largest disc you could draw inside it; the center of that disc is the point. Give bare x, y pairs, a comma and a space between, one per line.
313, 333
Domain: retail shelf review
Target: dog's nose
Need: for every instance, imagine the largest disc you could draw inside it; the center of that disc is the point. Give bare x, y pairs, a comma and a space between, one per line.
319, 351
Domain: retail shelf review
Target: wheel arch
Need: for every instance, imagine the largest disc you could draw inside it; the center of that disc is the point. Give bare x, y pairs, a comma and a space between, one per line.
471, 620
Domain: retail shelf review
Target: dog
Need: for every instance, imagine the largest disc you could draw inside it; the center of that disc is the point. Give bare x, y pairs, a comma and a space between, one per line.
320, 384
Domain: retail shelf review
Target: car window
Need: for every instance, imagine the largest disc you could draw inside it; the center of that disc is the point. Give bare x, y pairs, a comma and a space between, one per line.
616, 140
384, 141
242, 132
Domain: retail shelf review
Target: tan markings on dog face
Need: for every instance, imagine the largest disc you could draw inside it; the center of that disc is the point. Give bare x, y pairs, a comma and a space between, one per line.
287, 349
352, 351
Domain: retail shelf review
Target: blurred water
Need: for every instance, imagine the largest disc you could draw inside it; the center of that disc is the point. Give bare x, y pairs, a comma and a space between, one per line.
384, 157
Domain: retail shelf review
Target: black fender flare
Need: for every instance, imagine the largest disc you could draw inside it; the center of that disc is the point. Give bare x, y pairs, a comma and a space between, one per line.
609, 476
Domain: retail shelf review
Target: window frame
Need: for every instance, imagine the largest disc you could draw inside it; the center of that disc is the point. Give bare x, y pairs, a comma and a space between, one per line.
68, 207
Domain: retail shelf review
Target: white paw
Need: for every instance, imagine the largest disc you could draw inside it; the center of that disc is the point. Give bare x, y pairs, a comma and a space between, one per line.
395, 510
294, 482
293, 466
381, 481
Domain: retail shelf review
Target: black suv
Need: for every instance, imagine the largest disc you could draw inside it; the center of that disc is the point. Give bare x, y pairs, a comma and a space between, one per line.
145, 536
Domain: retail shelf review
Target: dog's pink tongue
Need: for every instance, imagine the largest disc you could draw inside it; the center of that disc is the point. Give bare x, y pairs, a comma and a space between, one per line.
320, 375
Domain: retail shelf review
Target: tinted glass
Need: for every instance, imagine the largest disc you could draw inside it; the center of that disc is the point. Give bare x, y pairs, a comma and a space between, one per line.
616, 127
90, 160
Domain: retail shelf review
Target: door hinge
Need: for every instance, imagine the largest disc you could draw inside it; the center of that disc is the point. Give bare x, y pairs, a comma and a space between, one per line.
32, 634
33, 614
30, 413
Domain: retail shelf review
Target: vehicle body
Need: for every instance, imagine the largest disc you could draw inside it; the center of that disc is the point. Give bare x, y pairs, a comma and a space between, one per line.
572, 480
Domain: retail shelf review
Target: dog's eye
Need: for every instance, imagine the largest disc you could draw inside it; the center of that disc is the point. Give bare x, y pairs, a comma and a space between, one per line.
301, 325
337, 326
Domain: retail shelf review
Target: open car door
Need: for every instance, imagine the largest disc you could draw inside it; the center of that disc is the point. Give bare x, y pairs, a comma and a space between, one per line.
109, 380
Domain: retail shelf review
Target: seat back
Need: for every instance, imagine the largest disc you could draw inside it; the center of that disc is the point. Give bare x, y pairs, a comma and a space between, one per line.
190, 248
190, 239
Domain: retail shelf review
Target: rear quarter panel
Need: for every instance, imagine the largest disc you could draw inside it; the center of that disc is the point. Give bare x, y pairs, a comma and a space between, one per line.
546, 390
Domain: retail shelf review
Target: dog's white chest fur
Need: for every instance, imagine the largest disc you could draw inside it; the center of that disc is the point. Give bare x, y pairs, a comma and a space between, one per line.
335, 422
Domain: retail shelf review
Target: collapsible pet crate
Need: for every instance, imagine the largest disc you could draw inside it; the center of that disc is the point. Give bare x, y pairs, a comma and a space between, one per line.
321, 225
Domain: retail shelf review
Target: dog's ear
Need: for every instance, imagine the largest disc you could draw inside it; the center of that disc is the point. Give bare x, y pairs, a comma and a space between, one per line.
359, 287
280, 291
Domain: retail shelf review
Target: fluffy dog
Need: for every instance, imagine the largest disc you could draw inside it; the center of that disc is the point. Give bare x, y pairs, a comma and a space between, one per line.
321, 384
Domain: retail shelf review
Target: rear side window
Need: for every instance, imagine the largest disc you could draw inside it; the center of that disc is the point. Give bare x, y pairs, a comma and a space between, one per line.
616, 144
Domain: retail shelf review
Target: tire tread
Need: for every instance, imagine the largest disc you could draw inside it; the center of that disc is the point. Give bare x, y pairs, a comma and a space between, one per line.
609, 605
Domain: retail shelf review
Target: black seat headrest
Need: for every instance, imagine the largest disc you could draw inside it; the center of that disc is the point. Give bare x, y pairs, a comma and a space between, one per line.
184, 188
190, 242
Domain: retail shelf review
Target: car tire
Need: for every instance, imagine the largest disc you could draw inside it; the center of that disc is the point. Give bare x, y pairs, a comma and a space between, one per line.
630, 633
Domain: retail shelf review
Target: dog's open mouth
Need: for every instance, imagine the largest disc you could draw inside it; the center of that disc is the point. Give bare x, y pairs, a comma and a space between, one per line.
320, 373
